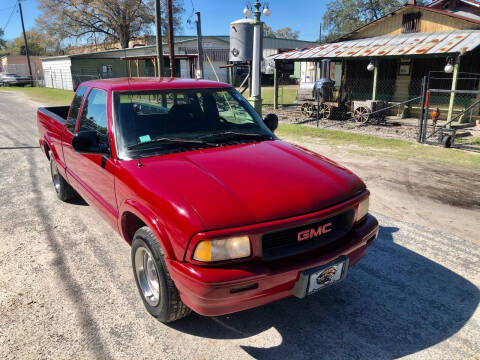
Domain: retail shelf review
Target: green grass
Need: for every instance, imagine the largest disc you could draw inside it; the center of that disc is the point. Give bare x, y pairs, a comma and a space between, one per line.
469, 140
286, 95
45, 95
376, 146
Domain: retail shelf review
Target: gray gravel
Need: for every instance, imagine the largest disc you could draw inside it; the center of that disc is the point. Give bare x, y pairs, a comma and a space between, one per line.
67, 290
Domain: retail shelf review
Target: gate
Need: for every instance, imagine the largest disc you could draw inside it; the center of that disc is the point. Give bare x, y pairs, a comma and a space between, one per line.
448, 114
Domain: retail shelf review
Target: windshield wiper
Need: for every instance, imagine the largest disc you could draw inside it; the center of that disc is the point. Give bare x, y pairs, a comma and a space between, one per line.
172, 141
230, 134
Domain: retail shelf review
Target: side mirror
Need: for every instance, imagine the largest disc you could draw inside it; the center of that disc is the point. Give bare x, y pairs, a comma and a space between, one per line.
271, 120
87, 142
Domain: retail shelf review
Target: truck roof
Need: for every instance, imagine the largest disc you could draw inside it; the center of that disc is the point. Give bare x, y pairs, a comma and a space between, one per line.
152, 83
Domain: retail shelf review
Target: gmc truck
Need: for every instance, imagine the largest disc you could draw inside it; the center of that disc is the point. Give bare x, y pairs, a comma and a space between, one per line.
220, 214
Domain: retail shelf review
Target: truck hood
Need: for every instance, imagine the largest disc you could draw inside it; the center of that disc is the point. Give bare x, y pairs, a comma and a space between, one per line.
250, 183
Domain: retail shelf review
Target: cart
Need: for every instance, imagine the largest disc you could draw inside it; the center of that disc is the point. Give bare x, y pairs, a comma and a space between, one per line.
369, 111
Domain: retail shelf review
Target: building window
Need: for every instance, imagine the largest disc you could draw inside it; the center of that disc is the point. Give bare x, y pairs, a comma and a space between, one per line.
411, 22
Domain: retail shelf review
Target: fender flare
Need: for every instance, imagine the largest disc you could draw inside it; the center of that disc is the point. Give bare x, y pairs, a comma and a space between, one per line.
150, 219
53, 150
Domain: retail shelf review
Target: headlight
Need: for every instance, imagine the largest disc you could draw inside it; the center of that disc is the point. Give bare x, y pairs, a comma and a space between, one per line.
362, 209
222, 249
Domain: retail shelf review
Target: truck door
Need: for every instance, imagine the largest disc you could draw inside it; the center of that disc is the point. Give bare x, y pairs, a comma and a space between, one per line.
94, 175
71, 125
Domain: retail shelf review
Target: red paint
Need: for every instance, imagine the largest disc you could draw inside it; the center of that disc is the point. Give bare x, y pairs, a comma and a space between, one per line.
250, 189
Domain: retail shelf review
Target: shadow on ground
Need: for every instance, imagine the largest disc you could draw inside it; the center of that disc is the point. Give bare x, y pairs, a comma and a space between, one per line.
393, 303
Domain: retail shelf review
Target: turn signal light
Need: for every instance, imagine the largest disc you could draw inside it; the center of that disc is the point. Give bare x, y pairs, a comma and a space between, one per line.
236, 247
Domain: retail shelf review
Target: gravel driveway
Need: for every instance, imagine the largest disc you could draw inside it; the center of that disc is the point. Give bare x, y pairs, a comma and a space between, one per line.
67, 290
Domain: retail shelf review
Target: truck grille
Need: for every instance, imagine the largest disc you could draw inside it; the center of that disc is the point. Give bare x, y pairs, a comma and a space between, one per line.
285, 242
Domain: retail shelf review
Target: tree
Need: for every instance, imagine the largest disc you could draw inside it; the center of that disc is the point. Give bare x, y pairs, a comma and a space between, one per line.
283, 33
102, 20
344, 16
37, 44
2, 41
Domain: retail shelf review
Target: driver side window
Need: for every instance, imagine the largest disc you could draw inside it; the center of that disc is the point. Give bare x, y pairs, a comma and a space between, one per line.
94, 113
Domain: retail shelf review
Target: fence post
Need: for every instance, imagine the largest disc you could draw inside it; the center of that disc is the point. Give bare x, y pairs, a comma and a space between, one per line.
422, 119
275, 85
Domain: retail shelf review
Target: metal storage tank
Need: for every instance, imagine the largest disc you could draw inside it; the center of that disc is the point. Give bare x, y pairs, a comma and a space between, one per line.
241, 40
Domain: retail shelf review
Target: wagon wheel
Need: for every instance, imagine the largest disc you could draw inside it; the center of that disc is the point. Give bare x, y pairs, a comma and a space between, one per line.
325, 111
307, 109
361, 114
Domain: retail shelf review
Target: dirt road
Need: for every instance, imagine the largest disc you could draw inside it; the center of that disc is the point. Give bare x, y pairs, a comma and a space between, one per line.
67, 290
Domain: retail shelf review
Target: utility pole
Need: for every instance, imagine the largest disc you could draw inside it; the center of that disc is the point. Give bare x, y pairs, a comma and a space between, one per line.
200, 47
320, 38
158, 25
25, 38
170, 37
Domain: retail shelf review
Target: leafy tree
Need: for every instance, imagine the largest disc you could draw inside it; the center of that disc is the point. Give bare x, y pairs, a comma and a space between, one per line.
2, 41
283, 33
37, 44
343, 16
104, 20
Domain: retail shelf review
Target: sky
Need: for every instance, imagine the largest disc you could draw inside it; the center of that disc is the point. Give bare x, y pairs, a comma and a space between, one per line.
302, 15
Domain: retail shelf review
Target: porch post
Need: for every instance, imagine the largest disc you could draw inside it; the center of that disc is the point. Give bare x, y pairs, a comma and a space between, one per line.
456, 67
375, 79
275, 85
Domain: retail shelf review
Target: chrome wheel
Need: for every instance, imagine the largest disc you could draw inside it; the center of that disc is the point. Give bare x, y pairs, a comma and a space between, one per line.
56, 178
147, 275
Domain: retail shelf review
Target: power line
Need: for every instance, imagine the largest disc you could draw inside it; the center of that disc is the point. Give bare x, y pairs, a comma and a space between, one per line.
11, 15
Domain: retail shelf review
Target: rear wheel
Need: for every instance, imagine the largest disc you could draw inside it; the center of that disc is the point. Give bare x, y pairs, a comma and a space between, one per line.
63, 189
156, 287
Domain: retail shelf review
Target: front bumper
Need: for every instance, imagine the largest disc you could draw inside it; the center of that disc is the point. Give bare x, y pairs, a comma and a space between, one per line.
218, 291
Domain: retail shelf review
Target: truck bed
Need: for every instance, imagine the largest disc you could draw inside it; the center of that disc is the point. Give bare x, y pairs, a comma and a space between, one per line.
58, 113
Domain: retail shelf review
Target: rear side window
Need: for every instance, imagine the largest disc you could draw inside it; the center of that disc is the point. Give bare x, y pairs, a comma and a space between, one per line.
75, 108
94, 113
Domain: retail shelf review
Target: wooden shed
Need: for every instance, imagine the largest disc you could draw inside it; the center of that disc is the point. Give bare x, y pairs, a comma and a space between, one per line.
404, 46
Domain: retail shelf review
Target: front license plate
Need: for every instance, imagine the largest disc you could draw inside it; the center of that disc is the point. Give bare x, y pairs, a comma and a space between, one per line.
327, 276
316, 279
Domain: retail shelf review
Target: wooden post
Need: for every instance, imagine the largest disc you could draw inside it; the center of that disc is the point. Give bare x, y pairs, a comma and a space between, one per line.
375, 80
136, 65
275, 85
129, 68
456, 67
171, 45
154, 60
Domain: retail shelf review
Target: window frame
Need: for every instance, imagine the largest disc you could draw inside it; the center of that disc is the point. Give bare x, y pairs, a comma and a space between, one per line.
107, 136
80, 108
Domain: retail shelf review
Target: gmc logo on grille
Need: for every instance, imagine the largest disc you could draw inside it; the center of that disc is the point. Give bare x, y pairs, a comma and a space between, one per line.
312, 233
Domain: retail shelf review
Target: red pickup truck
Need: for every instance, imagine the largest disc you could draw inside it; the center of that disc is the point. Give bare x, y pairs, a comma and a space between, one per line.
220, 214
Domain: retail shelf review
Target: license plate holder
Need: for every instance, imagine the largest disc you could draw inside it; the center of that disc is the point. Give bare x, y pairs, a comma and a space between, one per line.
313, 280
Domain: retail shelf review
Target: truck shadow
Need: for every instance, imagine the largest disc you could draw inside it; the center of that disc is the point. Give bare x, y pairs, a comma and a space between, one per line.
395, 302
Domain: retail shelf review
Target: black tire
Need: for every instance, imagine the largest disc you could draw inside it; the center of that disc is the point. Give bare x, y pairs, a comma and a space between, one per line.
167, 305
63, 189
447, 141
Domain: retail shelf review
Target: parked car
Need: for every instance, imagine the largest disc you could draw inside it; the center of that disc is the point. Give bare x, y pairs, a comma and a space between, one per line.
9, 79
221, 215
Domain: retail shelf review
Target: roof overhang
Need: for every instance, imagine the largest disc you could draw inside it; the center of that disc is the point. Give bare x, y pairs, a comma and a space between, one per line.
401, 45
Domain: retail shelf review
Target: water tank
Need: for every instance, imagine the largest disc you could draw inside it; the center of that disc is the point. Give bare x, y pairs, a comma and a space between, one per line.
241, 40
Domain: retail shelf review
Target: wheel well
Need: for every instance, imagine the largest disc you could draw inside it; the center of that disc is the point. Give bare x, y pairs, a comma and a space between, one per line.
130, 224
47, 149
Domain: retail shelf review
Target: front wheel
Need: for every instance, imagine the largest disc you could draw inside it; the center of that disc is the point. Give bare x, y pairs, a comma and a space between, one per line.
156, 287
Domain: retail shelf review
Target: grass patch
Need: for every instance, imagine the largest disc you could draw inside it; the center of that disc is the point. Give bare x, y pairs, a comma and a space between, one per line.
380, 147
469, 140
45, 95
286, 95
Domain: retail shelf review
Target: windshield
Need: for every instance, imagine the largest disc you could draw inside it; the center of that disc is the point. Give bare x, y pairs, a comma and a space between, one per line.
157, 122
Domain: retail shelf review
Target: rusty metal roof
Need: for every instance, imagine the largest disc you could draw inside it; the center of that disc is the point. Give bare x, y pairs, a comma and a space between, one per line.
391, 45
